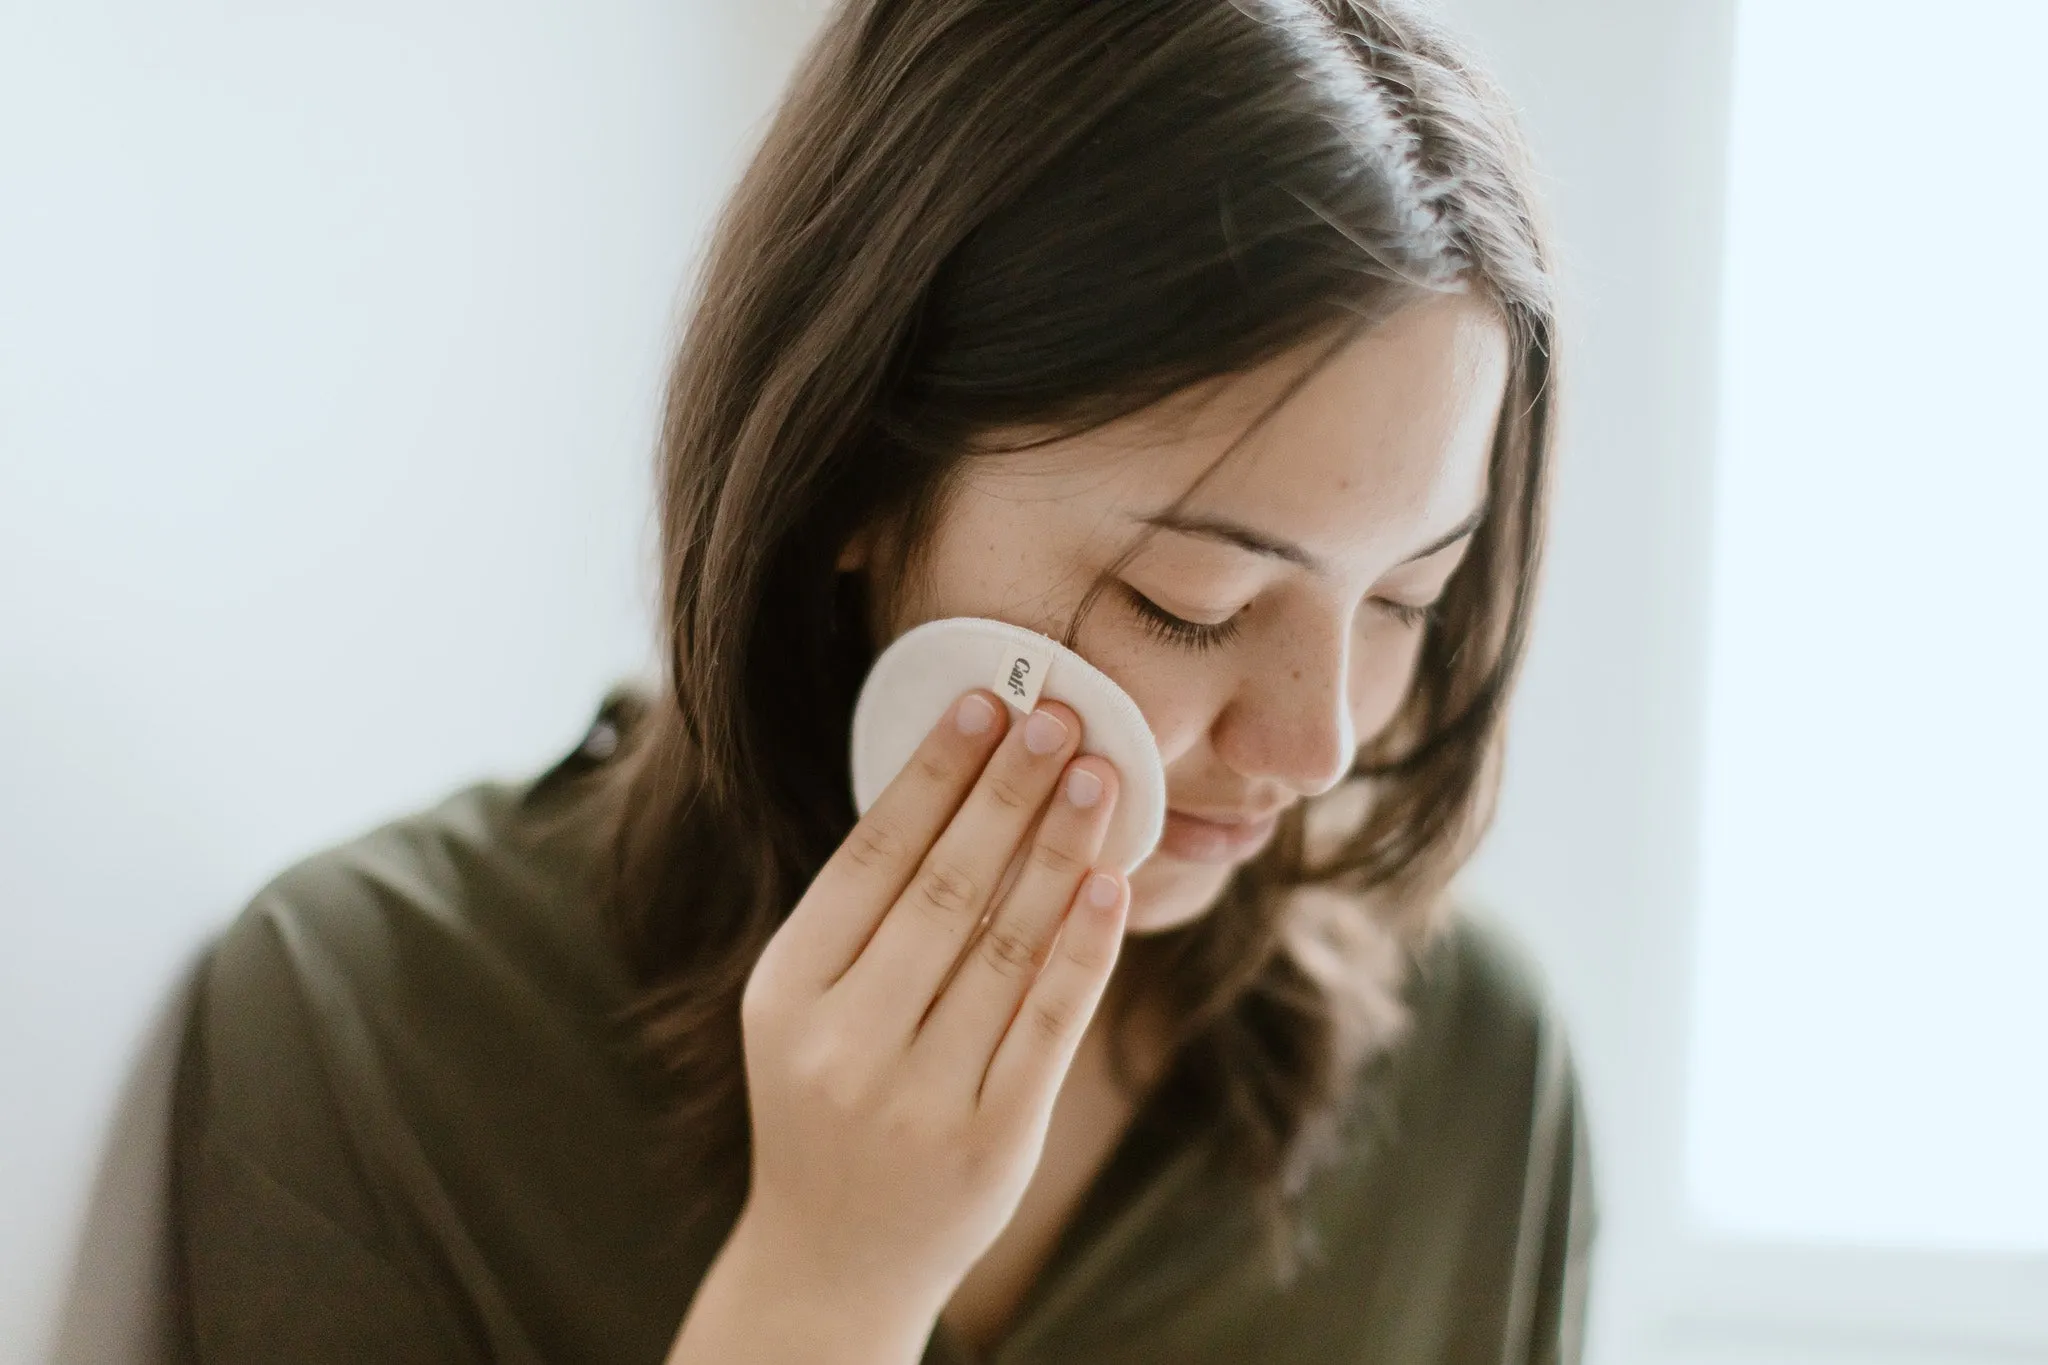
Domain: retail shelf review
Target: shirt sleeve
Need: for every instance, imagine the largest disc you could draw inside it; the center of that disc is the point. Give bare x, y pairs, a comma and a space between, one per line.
268, 1277
1559, 1223
1499, 1133
279, 1248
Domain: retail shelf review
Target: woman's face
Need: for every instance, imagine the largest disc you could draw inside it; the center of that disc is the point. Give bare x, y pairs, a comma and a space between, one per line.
1303, 565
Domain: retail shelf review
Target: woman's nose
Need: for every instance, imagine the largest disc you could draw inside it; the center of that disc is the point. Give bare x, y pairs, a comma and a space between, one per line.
1294, 721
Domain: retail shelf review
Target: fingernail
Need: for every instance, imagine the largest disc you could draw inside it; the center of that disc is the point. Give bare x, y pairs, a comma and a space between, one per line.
1101, 890
974, 714
1083, 787
1044, 732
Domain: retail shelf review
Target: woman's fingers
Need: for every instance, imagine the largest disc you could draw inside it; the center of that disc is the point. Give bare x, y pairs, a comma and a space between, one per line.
1024, 1076
974, 1009
893, 982
868, 872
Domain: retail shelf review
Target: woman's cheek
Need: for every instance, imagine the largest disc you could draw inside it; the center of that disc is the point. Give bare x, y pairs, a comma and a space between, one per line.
1170, 685
1171, 714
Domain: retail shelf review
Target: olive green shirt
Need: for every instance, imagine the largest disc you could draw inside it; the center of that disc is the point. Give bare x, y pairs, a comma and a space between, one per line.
405, 1130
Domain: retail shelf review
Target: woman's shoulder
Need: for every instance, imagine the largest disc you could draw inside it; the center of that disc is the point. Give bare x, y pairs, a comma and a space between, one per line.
1486, 1062
464, 890
1477, 980
445, 962
402, 1064
453, 888
1475, 1147
417, 953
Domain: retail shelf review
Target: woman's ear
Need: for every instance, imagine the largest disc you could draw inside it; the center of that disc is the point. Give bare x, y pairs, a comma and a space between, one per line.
859, 550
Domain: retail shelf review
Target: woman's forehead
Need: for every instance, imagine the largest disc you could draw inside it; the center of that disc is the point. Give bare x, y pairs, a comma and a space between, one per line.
1387, 442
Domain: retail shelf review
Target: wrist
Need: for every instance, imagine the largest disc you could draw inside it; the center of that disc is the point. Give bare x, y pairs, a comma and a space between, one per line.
833, 1312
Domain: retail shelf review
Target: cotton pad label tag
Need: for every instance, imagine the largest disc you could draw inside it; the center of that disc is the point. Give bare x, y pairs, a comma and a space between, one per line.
1021, 676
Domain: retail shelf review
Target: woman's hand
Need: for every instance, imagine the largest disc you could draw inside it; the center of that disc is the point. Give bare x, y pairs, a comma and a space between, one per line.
900, 1107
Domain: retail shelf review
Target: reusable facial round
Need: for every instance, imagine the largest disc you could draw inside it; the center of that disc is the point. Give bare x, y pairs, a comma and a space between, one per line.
923, 670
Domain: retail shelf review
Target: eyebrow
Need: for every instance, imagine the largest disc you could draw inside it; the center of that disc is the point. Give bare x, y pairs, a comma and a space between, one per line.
1227, 532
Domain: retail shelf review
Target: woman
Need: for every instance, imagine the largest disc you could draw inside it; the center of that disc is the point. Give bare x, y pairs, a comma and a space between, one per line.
1212, 338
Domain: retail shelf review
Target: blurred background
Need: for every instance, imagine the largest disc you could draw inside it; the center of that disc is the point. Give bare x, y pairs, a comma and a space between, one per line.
331, 338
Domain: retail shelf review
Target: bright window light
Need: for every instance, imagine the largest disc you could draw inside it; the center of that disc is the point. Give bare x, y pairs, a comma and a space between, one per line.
1870, 1031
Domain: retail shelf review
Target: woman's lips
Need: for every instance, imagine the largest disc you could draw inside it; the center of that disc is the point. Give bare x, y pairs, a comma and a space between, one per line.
1195, 840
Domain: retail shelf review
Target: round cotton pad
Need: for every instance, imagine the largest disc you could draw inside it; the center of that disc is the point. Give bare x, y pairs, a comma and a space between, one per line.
923, 670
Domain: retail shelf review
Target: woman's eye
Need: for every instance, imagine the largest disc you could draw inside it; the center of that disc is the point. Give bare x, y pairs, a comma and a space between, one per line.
1407, 613
1174, 630
1195, 635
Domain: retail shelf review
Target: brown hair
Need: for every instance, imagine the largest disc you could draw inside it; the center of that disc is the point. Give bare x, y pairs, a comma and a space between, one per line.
973, 214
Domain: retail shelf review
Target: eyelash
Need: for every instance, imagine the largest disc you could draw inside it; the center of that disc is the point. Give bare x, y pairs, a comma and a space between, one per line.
1199, 637
1172, 629
1407, 615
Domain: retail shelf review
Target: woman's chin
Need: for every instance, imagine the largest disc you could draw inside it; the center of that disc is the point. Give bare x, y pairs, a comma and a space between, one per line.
1167, 892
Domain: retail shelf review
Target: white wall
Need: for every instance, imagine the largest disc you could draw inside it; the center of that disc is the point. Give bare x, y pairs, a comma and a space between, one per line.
330, 343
